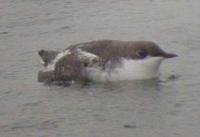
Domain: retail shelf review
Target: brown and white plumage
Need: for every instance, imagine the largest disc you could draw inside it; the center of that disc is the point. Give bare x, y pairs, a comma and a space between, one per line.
104, 60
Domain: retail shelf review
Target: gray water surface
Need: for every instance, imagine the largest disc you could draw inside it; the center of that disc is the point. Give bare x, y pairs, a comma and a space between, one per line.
164, 107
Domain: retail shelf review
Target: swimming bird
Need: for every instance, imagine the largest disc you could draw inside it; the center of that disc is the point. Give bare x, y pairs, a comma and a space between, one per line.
103, 60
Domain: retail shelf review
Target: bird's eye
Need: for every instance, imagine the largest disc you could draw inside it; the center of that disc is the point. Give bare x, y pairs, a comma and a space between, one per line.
141, 53
85, 64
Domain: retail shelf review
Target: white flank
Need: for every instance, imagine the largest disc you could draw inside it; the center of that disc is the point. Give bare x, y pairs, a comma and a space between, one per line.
86, 55
51, 66
129, 69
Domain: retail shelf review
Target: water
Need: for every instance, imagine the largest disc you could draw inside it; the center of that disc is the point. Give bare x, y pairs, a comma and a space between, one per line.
165, 107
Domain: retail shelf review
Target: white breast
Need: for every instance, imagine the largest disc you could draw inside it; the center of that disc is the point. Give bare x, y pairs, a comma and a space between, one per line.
129, 69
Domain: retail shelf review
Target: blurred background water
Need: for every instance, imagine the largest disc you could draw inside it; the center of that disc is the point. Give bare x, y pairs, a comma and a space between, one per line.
165, 107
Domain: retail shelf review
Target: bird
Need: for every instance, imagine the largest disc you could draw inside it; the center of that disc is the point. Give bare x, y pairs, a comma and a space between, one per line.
103, 60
